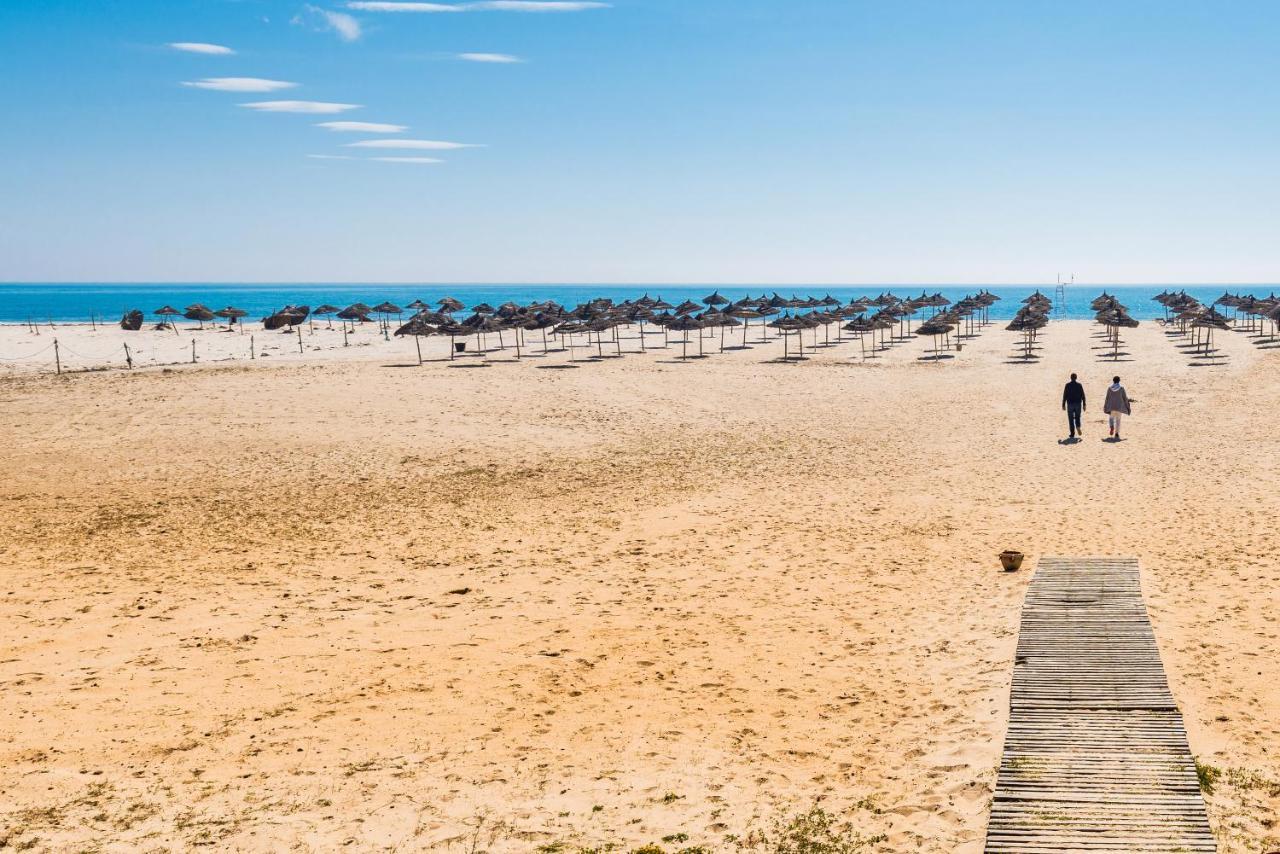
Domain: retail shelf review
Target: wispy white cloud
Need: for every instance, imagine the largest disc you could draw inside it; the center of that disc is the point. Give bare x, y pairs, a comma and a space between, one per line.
490, 57
482, 6
346, 27
299, 107
534, 6
363, 127
202, 47
240, 84
407, 159
418, 144
397, 6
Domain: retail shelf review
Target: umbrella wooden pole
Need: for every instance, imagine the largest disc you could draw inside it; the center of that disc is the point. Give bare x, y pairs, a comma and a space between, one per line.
544, 341
299, 340
252, 355
417, 342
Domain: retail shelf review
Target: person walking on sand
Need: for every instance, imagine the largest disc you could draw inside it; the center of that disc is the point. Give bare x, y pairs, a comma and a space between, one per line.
1073, 402
1116, 405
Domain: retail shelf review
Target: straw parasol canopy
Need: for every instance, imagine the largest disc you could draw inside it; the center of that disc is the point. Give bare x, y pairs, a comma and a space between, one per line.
166, 311
714, 299
419, 329
449, 305
131, 321
786, 325
232, 315
199, 313
1027, 323
326, 310
934, 328
417, 305
686, 323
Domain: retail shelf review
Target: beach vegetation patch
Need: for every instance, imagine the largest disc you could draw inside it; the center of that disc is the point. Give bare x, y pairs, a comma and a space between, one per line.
1208, 776
813, 832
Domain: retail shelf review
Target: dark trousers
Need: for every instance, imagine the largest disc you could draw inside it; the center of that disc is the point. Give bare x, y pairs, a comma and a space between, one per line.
1073, 418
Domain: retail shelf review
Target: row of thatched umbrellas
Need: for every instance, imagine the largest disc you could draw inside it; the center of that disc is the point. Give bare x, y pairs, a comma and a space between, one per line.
1113, 316
791, 317
1029, 320
1190, 315
603, 316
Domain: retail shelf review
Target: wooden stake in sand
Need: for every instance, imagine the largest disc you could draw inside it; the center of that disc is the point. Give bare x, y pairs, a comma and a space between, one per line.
251, 355
193, 351
299, 339
128, 357
57, 357
344, 336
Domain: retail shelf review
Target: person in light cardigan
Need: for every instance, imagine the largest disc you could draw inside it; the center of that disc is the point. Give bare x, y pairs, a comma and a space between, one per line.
1116, 405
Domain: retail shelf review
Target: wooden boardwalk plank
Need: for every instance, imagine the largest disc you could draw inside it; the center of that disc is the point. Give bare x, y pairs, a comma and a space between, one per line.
1096, 758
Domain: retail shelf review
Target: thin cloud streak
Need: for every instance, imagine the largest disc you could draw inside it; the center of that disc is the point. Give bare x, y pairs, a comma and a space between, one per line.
362, 127
239, 84
201, 47
346, 27
534, 6
483, 6
499, 58
299, 107
389, 6
412, 144
406, 159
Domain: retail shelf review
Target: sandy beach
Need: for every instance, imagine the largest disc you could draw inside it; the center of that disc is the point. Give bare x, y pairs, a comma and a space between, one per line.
334, 598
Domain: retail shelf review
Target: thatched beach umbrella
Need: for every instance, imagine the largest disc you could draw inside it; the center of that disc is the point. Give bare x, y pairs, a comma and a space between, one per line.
199, 313
449, 305
327, 310
934, 328
131, 321
714, 299
232, 315
419, 329
686, 323
746, 313
787, 325
165, 312
1115, 319
1207, 322
1027, 323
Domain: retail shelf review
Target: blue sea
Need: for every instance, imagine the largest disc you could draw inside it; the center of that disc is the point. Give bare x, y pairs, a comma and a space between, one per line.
78, 302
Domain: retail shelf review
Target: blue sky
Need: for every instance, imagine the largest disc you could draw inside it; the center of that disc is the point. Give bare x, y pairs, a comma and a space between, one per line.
770, 141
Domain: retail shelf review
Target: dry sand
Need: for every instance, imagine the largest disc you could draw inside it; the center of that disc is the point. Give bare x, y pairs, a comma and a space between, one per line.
296, 606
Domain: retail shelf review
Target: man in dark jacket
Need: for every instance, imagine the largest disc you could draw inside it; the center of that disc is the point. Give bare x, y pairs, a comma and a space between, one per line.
1073, 402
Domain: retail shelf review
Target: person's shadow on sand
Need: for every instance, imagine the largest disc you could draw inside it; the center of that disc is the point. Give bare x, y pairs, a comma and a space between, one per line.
1112, 439
1074, 440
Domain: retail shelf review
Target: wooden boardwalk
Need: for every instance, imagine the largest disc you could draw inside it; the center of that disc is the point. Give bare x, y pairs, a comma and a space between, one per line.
1096, 758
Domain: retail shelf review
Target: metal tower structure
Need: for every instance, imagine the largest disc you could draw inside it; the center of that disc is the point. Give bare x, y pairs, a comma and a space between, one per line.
1060, 297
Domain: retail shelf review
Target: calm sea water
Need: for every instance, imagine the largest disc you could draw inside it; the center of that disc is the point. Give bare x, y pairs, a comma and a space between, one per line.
76, 302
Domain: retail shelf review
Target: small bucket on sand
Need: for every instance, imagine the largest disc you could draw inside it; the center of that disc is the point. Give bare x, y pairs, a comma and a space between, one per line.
460, 346
1011, 560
